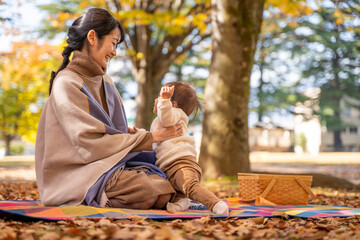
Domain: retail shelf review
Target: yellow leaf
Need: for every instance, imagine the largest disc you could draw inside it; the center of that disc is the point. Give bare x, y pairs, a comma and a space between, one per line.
63, 16
130, 52
339, 21
337, 13
139, 55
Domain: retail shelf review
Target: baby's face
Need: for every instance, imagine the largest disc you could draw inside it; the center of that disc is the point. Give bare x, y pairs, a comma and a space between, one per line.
155, 105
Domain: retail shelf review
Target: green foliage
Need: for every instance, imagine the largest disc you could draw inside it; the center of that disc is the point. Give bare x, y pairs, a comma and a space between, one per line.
330, 41
324, 47
274, 91
17, 149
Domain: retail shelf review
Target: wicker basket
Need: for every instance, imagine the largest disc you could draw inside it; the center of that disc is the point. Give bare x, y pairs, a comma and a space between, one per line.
277, 189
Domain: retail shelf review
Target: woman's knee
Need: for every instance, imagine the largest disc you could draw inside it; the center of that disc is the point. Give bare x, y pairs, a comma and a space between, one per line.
143, 205
162, 201
148, 203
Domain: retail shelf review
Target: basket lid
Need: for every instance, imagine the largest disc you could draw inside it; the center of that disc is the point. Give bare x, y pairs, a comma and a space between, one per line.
280, 176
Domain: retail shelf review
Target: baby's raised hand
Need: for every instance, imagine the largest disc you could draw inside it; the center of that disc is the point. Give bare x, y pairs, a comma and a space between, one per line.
166, 92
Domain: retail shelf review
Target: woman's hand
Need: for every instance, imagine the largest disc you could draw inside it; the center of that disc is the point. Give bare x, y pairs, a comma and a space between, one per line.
132, 130
163, 134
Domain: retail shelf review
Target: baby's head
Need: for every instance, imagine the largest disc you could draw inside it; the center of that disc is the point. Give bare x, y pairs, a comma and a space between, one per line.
185, 97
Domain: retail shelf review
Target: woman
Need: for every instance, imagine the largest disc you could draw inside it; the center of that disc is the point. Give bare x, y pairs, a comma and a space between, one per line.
85, 152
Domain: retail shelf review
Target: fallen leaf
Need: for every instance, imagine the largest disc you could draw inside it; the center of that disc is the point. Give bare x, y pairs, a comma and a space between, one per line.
7, 233
167, 233
50, 236
258, 220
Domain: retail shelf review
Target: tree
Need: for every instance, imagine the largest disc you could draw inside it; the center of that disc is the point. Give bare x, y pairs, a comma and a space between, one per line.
158, 33
224, 149
273, 90
9, 17
236, 26
24, 76
330, 43
3, 18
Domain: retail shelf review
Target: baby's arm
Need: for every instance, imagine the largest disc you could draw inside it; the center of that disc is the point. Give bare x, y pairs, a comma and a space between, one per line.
167, 114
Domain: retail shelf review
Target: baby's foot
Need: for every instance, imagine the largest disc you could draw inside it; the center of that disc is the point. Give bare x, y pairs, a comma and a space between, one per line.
179, 206
221, 208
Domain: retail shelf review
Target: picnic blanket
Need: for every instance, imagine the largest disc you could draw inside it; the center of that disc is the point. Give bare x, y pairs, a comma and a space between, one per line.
33, 210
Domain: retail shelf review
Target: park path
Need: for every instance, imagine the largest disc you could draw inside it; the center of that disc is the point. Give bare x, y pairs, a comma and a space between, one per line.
349, 172
22, 167
344, 165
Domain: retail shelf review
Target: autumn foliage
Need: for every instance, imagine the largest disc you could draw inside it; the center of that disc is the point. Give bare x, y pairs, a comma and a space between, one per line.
24, 75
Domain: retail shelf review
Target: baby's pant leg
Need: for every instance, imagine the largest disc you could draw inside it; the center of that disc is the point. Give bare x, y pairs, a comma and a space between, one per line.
187, 180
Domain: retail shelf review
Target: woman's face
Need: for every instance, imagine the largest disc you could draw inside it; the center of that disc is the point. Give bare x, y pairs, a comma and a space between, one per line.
102, 51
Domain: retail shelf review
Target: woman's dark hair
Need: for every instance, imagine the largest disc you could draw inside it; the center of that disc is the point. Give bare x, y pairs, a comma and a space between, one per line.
185, 97
97, 19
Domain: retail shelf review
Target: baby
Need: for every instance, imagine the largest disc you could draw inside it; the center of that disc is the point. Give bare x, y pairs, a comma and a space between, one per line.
177, 156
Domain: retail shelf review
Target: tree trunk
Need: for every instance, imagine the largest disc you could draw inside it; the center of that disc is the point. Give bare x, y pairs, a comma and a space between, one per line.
338, 147
148, 90
7, 139
260, 94
149, 84
236, 26
148, 72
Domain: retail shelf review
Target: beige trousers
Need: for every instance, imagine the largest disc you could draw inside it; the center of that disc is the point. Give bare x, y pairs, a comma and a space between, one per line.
134, 185
185, 176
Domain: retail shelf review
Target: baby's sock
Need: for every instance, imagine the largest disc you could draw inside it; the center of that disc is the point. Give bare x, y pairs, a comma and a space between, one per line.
179, 206
221, 208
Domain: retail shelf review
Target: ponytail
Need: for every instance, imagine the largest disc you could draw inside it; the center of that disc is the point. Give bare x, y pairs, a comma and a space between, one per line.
66, 54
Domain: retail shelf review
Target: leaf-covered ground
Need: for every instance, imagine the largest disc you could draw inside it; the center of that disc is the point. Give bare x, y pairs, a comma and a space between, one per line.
204, 228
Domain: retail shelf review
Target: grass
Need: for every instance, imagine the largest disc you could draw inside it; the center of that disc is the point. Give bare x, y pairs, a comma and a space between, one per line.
10, 161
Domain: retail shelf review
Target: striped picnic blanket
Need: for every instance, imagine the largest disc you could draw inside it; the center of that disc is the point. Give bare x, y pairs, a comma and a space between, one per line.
33, 210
